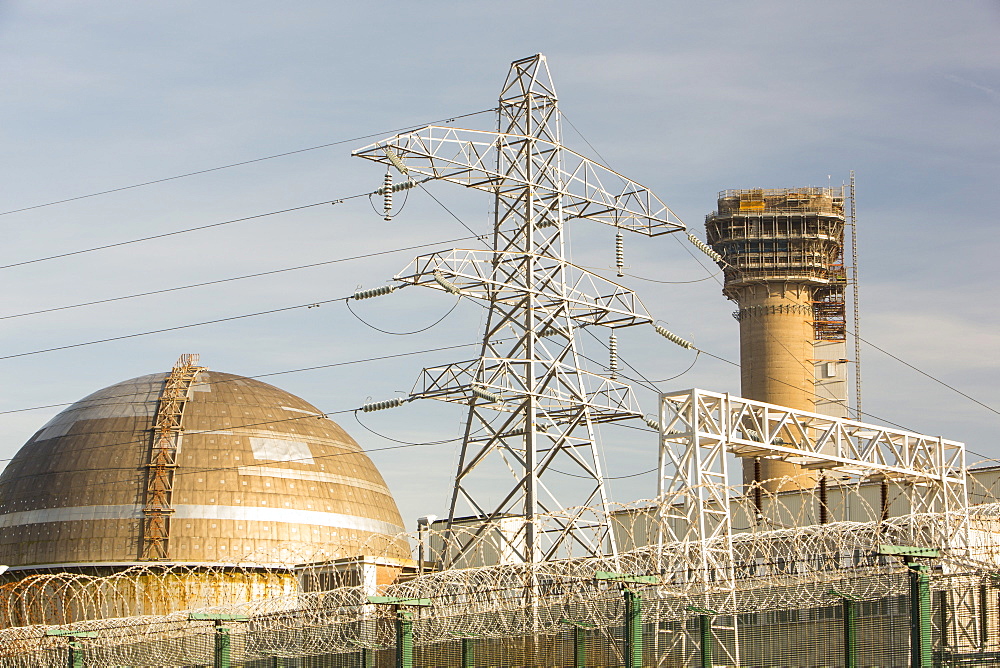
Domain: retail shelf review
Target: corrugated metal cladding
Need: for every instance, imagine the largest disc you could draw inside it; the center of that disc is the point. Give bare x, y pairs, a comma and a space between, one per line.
261, 479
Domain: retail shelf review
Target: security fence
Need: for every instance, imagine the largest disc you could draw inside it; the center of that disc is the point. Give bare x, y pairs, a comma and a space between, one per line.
652, 626
875, 593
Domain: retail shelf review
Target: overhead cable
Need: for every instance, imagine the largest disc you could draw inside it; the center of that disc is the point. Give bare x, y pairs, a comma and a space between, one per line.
453, 215
924, 373
176, 232
437, 322
255, 275
172, 329
219, 469
339, 200
246, 162
264, 375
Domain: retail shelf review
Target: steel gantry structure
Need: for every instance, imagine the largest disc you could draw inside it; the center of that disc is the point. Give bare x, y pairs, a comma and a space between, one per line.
699, 428
532, 408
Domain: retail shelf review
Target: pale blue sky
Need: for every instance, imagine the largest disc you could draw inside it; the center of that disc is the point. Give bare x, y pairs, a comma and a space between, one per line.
687, 98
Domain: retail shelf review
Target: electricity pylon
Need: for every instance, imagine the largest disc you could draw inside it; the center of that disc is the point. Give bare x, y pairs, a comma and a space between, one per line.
531, 405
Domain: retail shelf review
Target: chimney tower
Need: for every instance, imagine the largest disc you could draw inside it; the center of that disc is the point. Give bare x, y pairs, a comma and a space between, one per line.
783, 253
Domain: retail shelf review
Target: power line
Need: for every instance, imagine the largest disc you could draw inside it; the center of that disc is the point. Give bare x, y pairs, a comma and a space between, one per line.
651, 384
415, 331
585, 140
176, 232
244, 162
266, 375
783, 382
653, 280
442, 205
396, 440
857, 410
172, 329
924, 373
338, 200
236, 278
105, 398
319, 414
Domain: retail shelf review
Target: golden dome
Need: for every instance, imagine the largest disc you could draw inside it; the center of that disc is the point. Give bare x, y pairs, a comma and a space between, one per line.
258, 477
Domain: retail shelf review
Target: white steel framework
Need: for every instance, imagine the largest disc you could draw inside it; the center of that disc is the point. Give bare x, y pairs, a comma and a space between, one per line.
531, 406
699, 428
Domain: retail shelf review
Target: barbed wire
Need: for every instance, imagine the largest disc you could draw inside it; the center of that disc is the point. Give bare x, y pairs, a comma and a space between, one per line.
782, 559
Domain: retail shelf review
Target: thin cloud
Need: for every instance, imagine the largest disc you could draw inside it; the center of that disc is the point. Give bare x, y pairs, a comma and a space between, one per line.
991, 92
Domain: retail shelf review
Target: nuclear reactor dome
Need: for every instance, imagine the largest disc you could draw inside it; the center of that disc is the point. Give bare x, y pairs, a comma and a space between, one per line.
193, 467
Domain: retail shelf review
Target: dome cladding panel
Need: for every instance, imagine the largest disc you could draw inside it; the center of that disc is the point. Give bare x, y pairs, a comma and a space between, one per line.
260, 478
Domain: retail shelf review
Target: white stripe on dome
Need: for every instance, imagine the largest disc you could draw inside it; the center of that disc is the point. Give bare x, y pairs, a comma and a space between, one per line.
300, 410
130, 399
313, 476
192, 512
69, 514
286, 515
202, 382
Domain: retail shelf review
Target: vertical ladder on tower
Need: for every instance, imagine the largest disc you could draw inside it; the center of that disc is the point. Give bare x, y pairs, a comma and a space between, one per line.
162, 461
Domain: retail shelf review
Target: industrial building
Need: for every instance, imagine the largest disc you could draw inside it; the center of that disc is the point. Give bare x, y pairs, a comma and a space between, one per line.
199, 518
233, 485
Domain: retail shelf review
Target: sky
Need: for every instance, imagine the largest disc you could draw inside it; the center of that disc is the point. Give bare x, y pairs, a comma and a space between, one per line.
686, 98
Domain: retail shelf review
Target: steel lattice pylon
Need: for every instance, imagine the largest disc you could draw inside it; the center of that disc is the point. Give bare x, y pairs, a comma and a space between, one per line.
530, 403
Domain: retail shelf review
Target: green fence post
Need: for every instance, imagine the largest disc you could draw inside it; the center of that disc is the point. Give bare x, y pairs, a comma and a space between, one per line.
707, 644
920, 615
920, 599
75, 654
633, 613
367, 658
579, 641
705, 629
404, 639
222, 648
222, 656
633, 629
404, 625
579, 647
850, 634
468, 653
984, 617
944, 622
850, 610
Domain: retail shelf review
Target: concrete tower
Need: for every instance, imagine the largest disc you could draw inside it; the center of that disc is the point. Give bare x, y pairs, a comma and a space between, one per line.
783, 259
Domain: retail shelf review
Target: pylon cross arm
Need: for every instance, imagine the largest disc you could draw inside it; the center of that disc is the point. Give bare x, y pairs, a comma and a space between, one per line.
609, 400
474, 158
585, 297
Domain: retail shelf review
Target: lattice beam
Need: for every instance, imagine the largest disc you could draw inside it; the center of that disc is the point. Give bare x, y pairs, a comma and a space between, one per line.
478, 159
